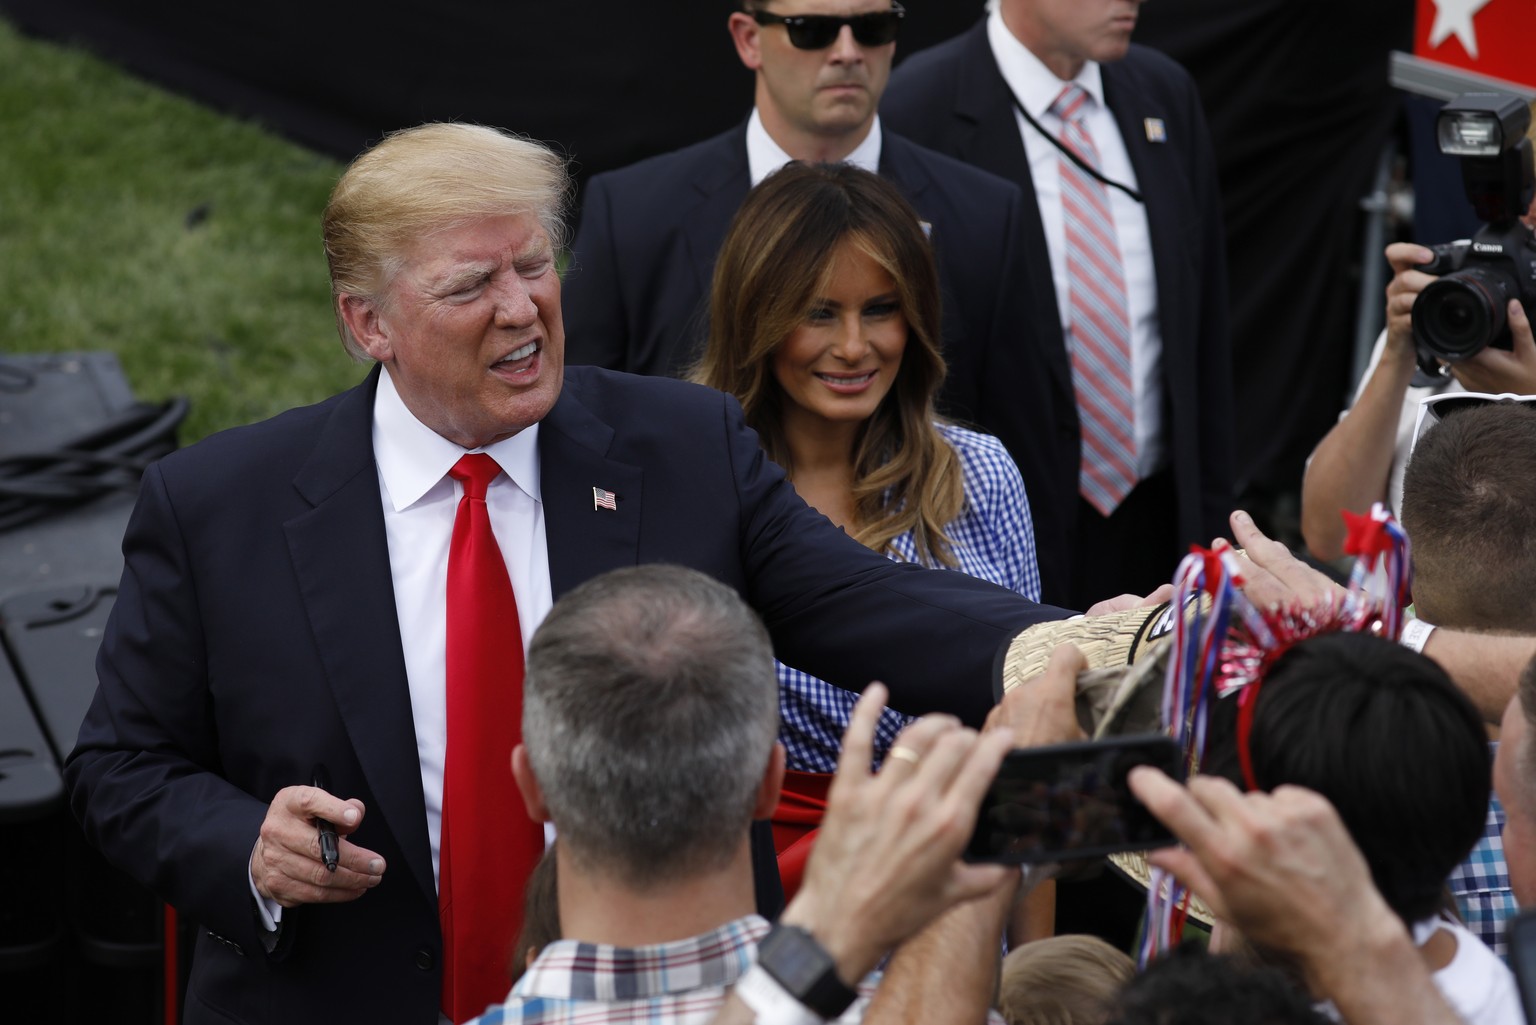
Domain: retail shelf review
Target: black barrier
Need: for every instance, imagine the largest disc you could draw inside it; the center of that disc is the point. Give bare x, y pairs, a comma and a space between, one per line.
79, 941
33, 933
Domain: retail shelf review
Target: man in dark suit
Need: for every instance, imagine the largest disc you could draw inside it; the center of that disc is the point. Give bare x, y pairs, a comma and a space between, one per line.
1144, 119
644, 254
288, 599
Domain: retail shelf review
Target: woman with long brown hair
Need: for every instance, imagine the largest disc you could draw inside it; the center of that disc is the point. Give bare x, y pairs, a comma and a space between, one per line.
824, 324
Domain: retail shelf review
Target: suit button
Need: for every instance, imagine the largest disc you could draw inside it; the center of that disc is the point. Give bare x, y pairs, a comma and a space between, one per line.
424, 959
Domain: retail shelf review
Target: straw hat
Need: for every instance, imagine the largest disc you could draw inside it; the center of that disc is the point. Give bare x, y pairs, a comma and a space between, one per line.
1119, 694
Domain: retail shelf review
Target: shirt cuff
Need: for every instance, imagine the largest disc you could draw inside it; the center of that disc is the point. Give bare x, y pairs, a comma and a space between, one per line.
269, 911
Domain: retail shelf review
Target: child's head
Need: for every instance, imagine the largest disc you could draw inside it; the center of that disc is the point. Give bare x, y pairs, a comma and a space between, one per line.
1063, 980
1192, 987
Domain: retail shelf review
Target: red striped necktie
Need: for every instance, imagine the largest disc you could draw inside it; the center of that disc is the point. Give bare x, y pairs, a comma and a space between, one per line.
1100, 336
488, 845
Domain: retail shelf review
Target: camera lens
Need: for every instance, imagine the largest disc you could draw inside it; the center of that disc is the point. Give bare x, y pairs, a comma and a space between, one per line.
1461, 314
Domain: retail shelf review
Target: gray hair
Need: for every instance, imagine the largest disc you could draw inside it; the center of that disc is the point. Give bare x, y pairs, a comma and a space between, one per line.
650, 708
422, 180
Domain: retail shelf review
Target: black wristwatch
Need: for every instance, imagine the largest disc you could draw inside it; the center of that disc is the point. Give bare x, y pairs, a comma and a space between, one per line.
805, 970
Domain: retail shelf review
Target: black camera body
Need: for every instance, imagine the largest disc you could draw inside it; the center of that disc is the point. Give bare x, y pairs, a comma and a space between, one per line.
1466, 311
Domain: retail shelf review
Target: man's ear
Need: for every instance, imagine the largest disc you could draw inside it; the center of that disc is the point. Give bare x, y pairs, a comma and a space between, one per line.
773, 782
361, 315
528, 784
745, 35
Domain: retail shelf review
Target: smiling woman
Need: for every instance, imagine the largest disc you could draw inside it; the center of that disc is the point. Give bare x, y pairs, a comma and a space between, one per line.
824, 323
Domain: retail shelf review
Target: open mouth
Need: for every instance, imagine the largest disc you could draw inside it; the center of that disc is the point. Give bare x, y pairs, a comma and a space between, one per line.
520, 360
517, 355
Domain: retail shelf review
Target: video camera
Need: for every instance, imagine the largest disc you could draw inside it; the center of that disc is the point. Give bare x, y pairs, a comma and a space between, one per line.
1464, 312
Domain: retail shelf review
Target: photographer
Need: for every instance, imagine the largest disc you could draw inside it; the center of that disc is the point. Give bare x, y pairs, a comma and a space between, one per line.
1362, 459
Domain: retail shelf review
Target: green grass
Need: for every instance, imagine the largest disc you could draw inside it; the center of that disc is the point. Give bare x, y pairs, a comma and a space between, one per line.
100, 174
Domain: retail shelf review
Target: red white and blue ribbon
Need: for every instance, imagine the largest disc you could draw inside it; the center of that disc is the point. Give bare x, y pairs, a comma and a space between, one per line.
1228, 648
1383, 565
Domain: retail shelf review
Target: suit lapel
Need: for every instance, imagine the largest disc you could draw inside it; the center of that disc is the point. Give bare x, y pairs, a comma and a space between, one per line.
1156, 181
721, 184
984, 105
585, 540
900, 165
341, 560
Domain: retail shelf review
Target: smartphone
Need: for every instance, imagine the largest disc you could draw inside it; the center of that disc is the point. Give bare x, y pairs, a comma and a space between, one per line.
1070, 801
1520, 933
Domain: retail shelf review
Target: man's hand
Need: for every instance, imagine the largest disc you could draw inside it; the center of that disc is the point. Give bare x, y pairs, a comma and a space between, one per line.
887, 860
1404, 288
1279, 866
1282, 868
1043, 710
1126, 602
1271, 574
286, 865
1499, 370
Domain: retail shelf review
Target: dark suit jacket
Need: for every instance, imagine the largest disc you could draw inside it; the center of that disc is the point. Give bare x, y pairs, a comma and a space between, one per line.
637, 295
255, 633
953, 98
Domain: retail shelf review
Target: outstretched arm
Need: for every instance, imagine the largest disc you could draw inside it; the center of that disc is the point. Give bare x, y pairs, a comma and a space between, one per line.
948, 971
1485, 666
1351, 466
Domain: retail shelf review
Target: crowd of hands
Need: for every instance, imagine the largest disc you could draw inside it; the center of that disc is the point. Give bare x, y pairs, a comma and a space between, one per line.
1280, 867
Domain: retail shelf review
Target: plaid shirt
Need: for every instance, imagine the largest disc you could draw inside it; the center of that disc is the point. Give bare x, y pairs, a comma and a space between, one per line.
682, 983
993, 538
1481, 883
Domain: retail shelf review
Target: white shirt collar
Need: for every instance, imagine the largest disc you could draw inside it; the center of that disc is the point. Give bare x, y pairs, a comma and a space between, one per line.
764, 156
413, 458
1032, 82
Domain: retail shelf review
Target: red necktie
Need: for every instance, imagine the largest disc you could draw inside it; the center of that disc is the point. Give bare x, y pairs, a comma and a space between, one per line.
488, 844
1100, 337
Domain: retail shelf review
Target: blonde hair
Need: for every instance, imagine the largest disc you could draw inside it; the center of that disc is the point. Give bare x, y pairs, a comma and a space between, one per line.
422, 180
776, 258
1062, 980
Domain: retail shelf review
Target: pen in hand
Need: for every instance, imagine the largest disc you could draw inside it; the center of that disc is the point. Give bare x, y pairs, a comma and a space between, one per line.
330, 853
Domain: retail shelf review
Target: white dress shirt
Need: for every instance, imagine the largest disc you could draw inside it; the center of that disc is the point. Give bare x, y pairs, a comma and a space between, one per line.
764, 156
420, 501
1037, 87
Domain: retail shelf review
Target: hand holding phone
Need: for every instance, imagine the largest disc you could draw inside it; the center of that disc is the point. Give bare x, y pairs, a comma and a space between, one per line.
1070, 801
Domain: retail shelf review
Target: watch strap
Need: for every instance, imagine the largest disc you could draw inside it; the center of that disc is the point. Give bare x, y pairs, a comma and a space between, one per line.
770, 1002
806, 971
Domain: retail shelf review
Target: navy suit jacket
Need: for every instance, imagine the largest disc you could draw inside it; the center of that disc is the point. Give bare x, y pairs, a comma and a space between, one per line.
255, 633
637, 295
953, 98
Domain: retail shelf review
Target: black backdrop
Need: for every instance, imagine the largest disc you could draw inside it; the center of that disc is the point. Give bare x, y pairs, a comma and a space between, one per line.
1299, 107
608, 82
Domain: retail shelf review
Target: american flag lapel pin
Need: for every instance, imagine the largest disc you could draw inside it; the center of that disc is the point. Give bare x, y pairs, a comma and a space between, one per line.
1155, 130
604, 499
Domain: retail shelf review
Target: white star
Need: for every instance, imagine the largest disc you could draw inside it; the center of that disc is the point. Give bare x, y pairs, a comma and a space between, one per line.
1454, 18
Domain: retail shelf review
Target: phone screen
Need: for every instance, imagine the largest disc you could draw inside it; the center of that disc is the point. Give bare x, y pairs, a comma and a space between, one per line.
1071, 801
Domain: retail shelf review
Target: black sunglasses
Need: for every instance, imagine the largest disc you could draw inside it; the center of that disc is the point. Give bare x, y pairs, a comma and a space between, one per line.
819, 31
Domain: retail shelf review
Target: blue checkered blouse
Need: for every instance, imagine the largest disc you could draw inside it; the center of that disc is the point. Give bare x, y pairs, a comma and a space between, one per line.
993, 538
